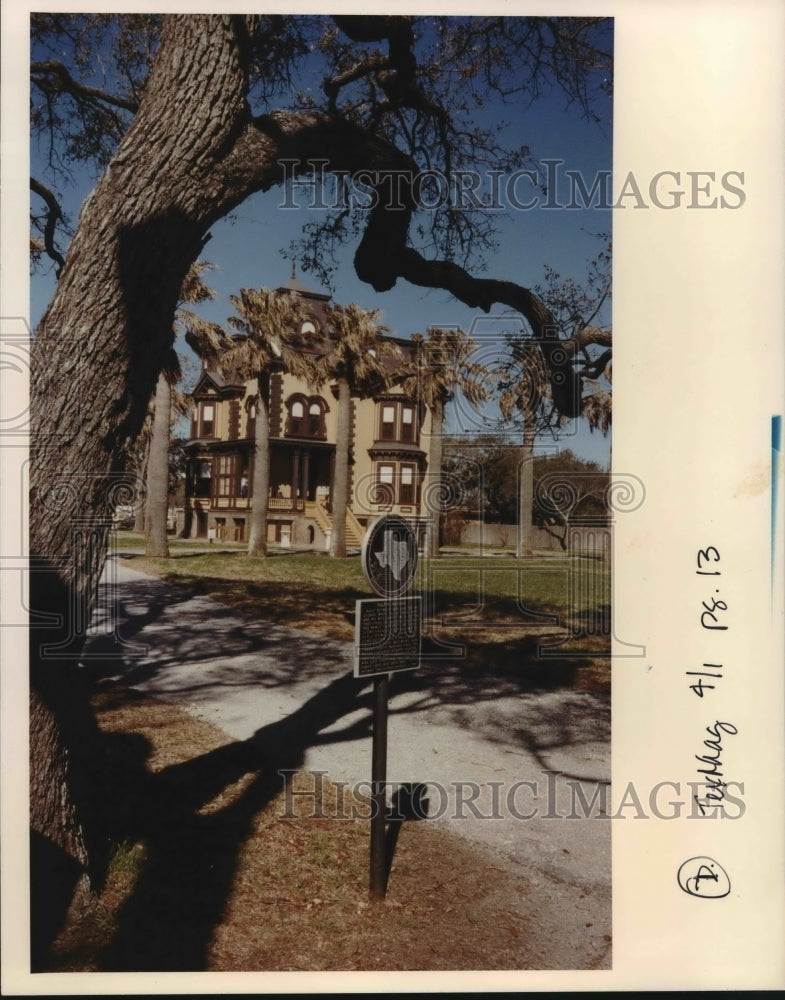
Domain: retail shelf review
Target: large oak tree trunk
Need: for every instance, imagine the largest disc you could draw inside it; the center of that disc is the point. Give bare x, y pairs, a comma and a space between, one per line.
158, 472
260, 491
340, 496
96, 357
192, 154
63, 858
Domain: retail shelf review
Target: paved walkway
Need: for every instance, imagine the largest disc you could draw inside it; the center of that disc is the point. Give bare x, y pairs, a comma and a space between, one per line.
485, 748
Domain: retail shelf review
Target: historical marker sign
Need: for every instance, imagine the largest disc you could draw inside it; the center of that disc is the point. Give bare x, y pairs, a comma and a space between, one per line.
389, 555
387, 636
386, 640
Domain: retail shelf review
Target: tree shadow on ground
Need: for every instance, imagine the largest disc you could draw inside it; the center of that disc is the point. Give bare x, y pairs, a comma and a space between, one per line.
192, 846
200, 649
485, 656
192, 850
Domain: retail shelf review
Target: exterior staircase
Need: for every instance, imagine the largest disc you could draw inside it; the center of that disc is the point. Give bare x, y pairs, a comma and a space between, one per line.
355, 532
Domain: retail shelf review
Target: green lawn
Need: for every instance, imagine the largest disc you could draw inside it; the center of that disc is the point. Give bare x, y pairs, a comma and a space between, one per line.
548, 615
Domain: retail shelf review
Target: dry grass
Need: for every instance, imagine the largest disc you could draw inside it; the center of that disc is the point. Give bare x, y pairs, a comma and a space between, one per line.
245, 886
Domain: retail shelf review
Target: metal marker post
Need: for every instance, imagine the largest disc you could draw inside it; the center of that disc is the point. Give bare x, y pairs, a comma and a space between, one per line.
389, 561
381, 691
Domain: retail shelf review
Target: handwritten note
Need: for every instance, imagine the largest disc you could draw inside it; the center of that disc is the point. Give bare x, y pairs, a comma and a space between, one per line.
703, 876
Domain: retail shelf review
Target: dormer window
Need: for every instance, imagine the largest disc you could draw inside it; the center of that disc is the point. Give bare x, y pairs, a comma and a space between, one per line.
207, 428
308, 327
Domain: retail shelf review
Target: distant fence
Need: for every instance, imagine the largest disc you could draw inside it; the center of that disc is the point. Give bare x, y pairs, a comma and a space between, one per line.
495, 536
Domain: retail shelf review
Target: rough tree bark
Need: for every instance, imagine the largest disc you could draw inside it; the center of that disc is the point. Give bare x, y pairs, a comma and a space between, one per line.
140, 508
95, 361
192, 153
340, 498
158, 471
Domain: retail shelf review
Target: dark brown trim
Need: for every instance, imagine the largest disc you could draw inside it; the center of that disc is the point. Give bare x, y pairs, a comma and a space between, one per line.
352, 429
234, 419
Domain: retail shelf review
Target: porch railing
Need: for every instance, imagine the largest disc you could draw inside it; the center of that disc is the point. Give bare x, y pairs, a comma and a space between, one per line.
244, 503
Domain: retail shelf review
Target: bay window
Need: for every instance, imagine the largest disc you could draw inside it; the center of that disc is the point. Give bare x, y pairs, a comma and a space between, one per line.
226, 486
397, 421
388, 422
406, 491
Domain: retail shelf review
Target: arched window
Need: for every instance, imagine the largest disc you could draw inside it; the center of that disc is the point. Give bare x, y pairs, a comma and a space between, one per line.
306, 417
294, 418
315, 419
250, 417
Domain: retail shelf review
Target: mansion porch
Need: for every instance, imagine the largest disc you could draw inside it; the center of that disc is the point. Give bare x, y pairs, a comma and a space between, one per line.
290, 521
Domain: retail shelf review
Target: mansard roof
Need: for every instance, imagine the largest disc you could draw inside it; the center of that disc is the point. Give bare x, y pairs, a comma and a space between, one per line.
210, 379
293, 285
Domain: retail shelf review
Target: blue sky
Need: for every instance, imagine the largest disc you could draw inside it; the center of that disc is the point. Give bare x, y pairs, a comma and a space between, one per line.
246, 249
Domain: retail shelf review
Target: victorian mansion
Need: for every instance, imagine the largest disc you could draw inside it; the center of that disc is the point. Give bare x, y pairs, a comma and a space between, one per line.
388, 453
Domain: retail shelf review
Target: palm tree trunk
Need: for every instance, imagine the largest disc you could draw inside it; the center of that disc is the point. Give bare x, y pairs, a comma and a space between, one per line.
260, 485
437, 430
341, 477
526, 496
158, 472
140, 511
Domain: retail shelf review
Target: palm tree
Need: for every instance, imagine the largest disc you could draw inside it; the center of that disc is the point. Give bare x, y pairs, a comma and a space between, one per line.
444, 368
167, 402
526, 392
356, 363
157, 475
269, 339
533, 392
